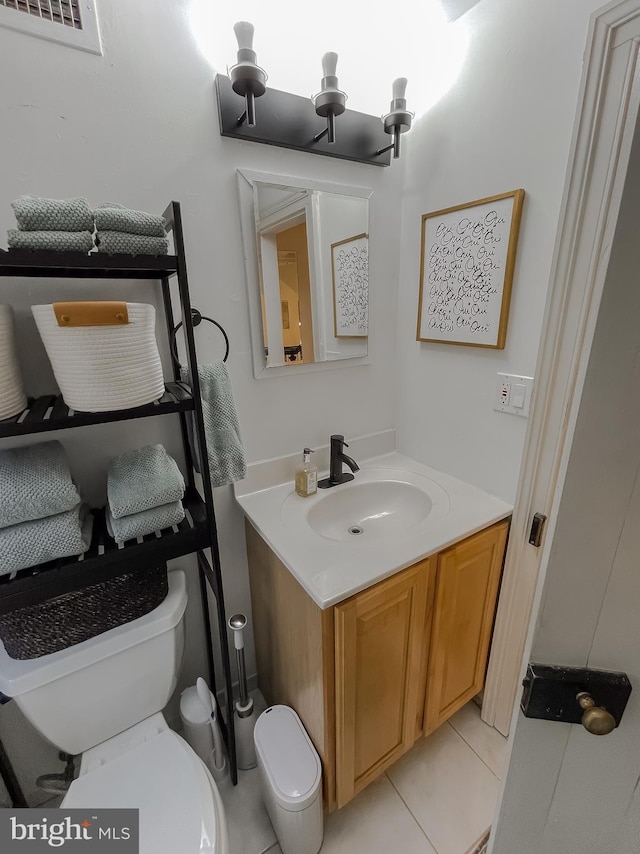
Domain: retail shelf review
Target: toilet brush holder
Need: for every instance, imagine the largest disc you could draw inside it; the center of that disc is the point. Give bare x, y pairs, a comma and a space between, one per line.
218, 771
244, 712
244, 723
216, 760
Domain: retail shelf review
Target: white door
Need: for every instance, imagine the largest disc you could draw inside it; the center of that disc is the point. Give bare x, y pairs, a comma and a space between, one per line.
569, 792
600, 151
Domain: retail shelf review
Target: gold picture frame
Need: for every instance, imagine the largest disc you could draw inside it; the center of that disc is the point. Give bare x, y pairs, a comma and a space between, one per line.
467, 259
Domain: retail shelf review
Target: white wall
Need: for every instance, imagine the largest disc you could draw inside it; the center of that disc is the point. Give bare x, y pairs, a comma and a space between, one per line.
139, 126
505, 124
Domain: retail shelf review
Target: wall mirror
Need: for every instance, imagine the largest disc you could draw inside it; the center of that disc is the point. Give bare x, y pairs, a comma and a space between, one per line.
307, 267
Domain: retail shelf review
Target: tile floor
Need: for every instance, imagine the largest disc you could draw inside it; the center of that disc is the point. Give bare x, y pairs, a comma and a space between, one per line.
438, 799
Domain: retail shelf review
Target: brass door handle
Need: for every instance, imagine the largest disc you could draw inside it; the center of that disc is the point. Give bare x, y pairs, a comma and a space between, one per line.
553, 692
596, 720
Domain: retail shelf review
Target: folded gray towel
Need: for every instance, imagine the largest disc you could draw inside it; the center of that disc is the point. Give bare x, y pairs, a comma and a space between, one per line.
224, 445
35, 482
112, 217
141, 479
56, 241
37, 214
41, 540
124, 243
145, 522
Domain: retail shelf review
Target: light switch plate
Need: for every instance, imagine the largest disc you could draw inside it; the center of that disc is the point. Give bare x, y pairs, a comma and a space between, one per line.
513, 394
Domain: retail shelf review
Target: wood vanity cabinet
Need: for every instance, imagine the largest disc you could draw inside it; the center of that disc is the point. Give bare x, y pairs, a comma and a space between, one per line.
464, 607
372, 674
379, 662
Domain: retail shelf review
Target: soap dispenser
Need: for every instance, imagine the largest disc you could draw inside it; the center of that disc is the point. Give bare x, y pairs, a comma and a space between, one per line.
306, 476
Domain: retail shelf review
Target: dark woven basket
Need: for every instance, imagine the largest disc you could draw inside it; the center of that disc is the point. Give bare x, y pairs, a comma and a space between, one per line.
75, 617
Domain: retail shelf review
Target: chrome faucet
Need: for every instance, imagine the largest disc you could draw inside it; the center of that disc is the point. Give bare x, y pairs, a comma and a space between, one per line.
338, 457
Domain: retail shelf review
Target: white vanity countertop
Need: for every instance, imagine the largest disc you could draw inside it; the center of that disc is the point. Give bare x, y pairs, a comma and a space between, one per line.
331, 570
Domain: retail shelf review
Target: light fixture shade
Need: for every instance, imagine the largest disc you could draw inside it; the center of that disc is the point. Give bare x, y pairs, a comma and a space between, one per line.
247, 78
330, 100
398, 119
244, 34
246, 75
399, 89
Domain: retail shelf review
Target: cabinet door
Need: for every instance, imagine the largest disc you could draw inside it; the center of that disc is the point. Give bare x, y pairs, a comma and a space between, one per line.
379, 635
466, 593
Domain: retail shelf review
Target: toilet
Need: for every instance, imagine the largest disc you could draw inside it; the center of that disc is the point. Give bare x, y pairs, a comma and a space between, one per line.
103, 698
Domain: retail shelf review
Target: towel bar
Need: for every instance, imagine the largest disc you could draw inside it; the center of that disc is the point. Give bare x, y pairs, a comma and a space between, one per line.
196, 319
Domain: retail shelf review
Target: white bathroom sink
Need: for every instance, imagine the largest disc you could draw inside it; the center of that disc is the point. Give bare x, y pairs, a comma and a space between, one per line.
380, 503
380, 508
406, 511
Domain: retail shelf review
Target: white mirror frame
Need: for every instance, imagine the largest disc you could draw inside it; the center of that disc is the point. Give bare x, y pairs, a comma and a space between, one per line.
246, 194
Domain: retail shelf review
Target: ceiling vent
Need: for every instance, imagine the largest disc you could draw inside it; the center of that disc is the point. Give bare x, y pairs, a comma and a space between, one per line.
65, 12
71, 22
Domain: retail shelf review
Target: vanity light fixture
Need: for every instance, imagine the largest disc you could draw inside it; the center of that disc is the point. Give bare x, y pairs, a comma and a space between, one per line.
330, 102
398, 119
247, 78
291, 121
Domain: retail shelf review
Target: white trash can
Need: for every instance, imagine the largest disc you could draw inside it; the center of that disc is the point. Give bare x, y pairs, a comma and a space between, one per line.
290, 777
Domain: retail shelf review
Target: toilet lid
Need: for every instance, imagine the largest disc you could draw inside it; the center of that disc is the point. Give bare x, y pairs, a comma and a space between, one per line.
180, 807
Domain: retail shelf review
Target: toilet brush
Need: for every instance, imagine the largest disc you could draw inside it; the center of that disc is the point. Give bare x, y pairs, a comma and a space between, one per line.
245, 718
219, 765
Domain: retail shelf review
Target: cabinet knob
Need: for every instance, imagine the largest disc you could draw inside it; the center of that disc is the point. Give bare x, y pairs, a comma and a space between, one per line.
596, 720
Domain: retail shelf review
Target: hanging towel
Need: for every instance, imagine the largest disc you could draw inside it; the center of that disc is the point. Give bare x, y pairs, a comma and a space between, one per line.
42, 540
123, 243
224, 444
35, 481
112, 217
141, 479
145, 522
37, 214
56, 241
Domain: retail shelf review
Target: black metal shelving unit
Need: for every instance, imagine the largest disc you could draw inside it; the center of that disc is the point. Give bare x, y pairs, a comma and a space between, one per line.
197, 534
50, 412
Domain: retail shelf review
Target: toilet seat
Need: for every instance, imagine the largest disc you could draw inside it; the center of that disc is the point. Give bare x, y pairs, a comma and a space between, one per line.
180, 806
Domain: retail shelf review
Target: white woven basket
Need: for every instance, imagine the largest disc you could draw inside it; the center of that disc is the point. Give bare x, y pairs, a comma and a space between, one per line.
12, 396
102, 368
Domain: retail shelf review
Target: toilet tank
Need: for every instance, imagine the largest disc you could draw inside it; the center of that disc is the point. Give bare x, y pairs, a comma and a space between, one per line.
83, 695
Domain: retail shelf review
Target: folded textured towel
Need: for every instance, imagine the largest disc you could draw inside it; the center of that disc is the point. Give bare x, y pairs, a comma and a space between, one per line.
224, 445
124, 243
111, 217
145, 522
35, 481
40, 540
141, 479
56, 241
34, 213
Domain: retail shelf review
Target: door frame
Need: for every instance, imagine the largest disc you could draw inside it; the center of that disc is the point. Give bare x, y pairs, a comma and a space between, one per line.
599, 155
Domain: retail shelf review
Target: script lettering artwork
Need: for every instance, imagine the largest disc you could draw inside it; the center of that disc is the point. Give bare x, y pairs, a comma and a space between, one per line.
463, 273
351, 281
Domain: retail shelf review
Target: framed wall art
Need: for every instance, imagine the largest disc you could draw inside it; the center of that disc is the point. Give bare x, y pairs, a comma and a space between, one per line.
284, 307
467, 259
350, 275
